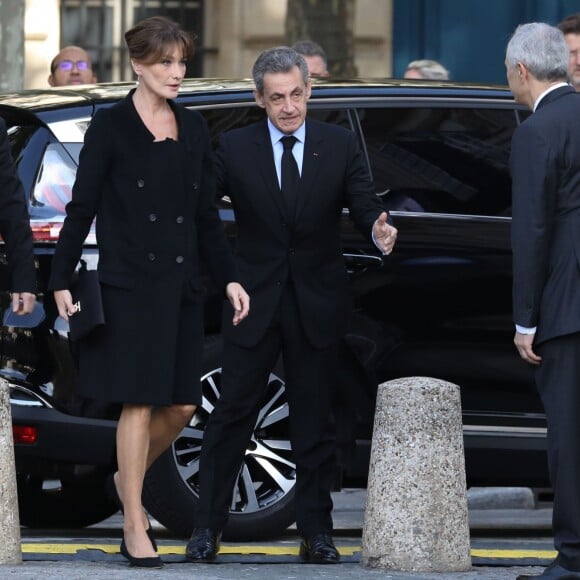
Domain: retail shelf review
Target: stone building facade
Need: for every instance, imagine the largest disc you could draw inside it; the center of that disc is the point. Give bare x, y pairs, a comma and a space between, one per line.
231, 33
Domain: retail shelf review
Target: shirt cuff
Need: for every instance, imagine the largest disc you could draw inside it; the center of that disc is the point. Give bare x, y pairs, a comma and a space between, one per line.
525, 330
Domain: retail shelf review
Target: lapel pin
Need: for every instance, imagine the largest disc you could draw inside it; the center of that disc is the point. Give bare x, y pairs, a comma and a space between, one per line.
315, 154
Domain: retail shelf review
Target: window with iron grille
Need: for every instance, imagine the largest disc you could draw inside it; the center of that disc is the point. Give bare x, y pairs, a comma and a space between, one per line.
98, 26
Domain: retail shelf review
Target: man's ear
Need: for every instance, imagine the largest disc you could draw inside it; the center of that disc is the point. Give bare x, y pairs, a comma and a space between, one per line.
522, 71
51, 80
259, 99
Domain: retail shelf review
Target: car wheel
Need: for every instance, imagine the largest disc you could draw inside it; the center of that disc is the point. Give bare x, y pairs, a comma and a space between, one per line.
262, 502
73, 503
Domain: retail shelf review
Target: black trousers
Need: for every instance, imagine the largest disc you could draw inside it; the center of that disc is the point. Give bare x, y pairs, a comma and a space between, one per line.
558, 380
310, 380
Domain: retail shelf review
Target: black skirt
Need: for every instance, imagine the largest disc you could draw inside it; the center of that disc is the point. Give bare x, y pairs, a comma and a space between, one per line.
149, 351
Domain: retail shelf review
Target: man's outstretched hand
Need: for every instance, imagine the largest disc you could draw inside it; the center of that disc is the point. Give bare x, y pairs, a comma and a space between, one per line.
384, 234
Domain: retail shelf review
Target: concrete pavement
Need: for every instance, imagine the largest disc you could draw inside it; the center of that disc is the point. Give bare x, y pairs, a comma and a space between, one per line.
502, 547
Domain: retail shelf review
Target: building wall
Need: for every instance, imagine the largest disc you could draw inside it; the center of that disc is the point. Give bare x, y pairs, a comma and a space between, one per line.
238, 30
468, 38
235, 32
41, 41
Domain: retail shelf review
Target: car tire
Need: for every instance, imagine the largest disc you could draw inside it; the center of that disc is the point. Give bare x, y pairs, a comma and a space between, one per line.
76, 503
171, 485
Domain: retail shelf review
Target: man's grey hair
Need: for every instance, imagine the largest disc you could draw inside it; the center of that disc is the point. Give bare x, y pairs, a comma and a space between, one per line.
542, 49
310, 48
429, 69
280, 59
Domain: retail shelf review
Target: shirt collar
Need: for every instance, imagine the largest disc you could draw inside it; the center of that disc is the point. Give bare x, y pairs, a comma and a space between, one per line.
276, 134
547, 91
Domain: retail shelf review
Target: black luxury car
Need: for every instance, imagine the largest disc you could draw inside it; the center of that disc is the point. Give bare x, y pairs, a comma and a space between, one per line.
439, 306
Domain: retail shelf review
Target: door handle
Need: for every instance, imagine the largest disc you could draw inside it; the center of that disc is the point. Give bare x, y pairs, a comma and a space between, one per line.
357, 263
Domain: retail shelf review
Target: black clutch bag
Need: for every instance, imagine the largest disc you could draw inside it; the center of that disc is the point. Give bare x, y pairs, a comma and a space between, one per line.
86, 294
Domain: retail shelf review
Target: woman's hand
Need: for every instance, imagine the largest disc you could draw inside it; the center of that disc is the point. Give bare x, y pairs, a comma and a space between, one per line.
239, 300
23, 302
64, 303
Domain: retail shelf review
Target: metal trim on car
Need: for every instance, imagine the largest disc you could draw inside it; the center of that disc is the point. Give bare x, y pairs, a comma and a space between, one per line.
504, 429
37, 399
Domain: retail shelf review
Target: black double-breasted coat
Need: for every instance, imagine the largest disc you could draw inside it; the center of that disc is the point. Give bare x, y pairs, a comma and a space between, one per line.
155, 222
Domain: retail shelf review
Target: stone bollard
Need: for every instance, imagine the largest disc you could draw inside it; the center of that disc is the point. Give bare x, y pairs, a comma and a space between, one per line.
416, 516
10, 552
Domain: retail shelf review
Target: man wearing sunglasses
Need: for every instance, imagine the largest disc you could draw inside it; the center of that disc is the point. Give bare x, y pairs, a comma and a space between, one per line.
71, 66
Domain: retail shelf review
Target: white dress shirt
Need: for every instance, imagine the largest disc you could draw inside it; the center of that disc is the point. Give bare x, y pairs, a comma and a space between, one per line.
298, 152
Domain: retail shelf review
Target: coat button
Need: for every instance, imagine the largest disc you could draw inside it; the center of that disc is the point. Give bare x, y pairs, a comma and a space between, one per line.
291, 251
179, 259
195, 185
179, 219
140, 183
152, 217
151, 256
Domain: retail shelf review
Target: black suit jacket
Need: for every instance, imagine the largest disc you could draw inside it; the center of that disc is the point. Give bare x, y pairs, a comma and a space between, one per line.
273, 247
545, 165
15, 221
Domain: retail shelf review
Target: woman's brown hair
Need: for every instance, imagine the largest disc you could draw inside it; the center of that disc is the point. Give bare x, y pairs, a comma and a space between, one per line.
149, 40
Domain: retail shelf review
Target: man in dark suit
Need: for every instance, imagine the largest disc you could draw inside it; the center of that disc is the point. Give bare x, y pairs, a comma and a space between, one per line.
15, 230
289, 258
545, 165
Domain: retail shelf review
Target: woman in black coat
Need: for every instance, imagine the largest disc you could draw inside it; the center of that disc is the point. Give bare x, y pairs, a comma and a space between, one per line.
146, 173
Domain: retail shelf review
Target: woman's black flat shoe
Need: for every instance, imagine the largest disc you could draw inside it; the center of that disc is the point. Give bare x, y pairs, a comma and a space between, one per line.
111, 490
149, 562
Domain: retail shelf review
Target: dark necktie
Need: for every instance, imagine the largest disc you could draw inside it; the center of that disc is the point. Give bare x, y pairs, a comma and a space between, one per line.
290, 175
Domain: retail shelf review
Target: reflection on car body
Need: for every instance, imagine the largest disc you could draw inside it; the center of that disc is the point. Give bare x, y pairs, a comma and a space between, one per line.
439, 305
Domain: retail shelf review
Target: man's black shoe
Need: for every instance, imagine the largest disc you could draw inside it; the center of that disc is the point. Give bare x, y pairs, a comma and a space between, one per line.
319, 549
553, 572
203, 545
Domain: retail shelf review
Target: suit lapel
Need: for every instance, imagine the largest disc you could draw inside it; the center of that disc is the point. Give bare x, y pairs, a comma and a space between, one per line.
267, 168
310, 166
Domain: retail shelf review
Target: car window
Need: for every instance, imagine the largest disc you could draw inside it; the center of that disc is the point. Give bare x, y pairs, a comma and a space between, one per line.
322, 113
53, 187
442, 160
53, 190
220, 119
223, 119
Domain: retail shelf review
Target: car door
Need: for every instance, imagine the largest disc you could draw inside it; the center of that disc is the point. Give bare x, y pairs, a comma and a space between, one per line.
444, 296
